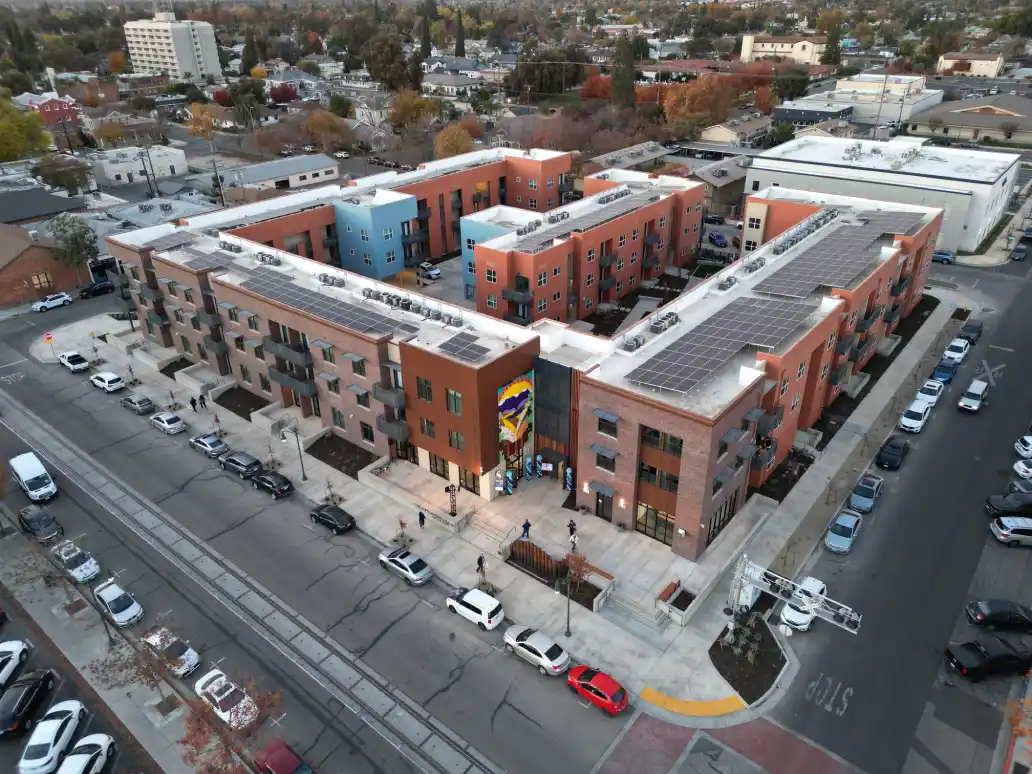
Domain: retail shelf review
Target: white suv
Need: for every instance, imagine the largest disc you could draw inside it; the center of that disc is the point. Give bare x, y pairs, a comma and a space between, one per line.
476, 606
52, 302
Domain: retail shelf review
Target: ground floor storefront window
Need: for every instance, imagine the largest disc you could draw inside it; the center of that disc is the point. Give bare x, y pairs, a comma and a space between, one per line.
656, 524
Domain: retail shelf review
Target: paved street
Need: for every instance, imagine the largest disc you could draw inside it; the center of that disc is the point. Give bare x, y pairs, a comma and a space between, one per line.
462, 676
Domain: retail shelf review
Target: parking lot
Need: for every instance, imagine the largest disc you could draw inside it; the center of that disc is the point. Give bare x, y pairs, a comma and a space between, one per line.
69, 685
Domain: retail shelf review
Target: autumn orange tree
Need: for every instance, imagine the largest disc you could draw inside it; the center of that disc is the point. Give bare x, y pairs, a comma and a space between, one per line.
329, 132
597, 87
764, 99
702, 102
472, 126
210, 746
452, 141
117, 61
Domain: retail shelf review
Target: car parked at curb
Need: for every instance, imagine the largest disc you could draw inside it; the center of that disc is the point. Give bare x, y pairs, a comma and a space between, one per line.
277, 758
598, 688
716, 239
866, 492
930, 391
971, 330
945, 257
22, 699
915, 417
333, 516
53, 301
243, 464
36, 521
231, 704
138, 404
272, 482
97, 288
51, 738
945, 370
13, 654
177, 654
168, 423
842, 532
73, 361
988, 656
538, 649
120, 605
798, 612
90, 755
1023, 468
1012, 531
476, 606
956, 350
78, 563
107, 381
999, 614
402, 562
209, 444
1023, 446
713, 219
892, 453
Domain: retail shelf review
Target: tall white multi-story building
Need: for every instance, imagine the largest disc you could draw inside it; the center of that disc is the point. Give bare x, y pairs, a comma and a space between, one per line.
183, 49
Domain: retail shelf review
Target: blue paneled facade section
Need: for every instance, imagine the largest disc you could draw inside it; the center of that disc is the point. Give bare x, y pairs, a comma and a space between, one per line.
478, 231
383, 224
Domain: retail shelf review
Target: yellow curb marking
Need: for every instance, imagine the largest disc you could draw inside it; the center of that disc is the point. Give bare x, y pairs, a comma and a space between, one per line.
712, 708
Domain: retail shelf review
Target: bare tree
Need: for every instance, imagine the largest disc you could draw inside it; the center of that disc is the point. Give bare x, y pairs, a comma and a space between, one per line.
126, 665
212, 746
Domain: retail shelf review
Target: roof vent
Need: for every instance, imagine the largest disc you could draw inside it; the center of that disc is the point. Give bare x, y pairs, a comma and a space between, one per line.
633, 343
339, 281
456, 320
325, 279
436, 315
367, 293
727, 283
166, 207
406, 304
426, 313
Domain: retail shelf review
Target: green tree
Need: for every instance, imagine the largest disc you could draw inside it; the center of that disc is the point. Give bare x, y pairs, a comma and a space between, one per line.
17, 81
342, 106
781, 132
308, 66
245, 110
76, 242
590, 16
60, 171
385, 59
20, 133
251, 86
249, 57
833, 48
791, 83
623, 74
424, 30
460, 35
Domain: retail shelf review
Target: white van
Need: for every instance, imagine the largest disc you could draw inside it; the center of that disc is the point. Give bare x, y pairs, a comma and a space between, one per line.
480, 608
32, 477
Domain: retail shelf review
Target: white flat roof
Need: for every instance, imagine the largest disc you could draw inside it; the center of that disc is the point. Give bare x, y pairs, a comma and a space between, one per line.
897, 157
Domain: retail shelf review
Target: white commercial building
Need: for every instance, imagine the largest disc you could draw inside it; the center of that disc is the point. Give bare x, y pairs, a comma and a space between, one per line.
875, 99
183, 49
120, 166
972, 186
801, 49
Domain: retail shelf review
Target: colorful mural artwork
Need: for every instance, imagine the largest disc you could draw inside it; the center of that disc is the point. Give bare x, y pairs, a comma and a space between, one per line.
516, 411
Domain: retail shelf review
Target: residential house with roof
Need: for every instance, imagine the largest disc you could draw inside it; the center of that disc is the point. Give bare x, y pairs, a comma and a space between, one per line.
51, 107
85, 88
841, 129
29, 268
971, 64
1002, 118
373, 109
801, 49
724, 185
141, 84
750, 131
453, 65
120, 166
449, 85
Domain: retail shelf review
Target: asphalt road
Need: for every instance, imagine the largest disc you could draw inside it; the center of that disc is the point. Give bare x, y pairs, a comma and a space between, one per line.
523, 721
862, 696
44, 655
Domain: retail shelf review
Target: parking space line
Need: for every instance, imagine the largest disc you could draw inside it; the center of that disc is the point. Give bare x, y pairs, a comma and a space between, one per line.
16, 362
276, 721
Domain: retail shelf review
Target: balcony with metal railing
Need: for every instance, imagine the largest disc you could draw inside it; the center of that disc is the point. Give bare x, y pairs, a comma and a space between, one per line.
893, 315
770, 420
900, 287
764, 455
150, 292
846, 343
516, 319
395, 429
607, 260
389, 396
651, 239
218, 347
209, 318
297, 354
864, 325
155, 318
305, 388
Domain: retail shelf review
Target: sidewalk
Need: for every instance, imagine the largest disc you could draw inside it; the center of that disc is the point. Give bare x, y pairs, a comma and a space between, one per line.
1000, 251
669, 668
74, 626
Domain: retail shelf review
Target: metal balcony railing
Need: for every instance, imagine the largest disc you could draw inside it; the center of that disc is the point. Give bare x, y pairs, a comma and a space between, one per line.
608, 259
423, 213
516, 319
517, 296
389, 396
607, 283
846, 343
298, 355
305, 388
116, 279
395, 429
155, 318
218, 347
764, 456
893, 315
839, 375
770, 420
900, 287
150, 293
209, 318
651, 239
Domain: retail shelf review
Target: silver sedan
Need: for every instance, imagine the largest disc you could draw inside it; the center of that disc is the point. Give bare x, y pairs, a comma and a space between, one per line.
843, 531
537, 648
403, 563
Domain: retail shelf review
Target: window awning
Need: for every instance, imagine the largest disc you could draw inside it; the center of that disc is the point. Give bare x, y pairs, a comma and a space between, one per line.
602, 489
320, 344
754, 414
609, 454
245, 314
551, 455
391, 364
607, 416
327, 376
732, 435
231, 335
726, 475
352, 357
189, 315
226, 305
252, 343
357, 389
748, 451
171, 307
164, 281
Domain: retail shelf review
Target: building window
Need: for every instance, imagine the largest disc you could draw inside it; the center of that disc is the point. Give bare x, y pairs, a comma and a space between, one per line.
655, 524
831, 341
188, 295
588, 303
233, 314
172, 289
518, 198
492, 276
178, 316
492, 302
364, 234
542, 279
358, 367
532, 203
557, 270
619, 286
362, 399
134, 273
367, 259
754, 222
551, 182
622, 241
367, 431
532, 185
388, 233
471, 267
607, 428
328, 357
795, 403
333, 386
470, 243
630, 281
259, 352
852, 320
801, 371
427, 428
391, 256
605, 463
195, 323
453, 400
756, 185
662, 222
252, 322
695, 228
551, 202
456, 441
186, 344
620, 264
238, 342
557, 297
824, 372
717, 486
542, 304
245, 373
634, 235
591, 254
660, 478
750, 245
784, 385
665, 442
721, 448
263, 380
424, 389
634, 257
338, 418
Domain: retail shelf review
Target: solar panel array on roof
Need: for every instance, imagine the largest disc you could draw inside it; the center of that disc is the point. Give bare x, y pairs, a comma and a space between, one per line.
277, 287
200, 260
534, 242
698, 354
172, 241
837, 259
463, 346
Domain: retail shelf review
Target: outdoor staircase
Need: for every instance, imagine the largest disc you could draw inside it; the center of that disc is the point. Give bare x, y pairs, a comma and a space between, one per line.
655, 619
488, 529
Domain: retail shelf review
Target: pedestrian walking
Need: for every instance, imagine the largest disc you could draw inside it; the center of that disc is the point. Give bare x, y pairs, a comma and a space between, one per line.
193, 404
526, 529
573, 527
422, 519
203, 401
573, 542
480, 564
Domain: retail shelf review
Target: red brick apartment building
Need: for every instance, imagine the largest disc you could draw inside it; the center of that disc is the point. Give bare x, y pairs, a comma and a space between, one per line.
628, 229
662, 429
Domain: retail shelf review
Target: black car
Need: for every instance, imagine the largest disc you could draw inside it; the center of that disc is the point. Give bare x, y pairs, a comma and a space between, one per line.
892, 453
1013, 504
241, 463
98, 288
713, 219
272, 482
1020, 485
22, 699
999, 614
972, 330
334, 517
37, 521
988, 656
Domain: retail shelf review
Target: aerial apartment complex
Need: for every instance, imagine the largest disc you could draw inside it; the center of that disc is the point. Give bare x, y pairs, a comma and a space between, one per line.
661, 429
180, 48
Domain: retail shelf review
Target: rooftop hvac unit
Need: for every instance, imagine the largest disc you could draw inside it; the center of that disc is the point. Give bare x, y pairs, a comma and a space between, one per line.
339, 281
235, 248
212, 232
394, 301
377, 295
658, 326
719, 172
633, 343
416, 308
750, 268
367, 293
671, 318
778, 249
436, 315
146, 207
426, 314
273, 260
446, 319
406, 304
325, 279
166, 207
456, 320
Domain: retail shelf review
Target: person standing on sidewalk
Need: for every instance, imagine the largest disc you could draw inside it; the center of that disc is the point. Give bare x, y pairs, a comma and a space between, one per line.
573, 527
573, 542
193, 404
203, 401
526, 529
422, 519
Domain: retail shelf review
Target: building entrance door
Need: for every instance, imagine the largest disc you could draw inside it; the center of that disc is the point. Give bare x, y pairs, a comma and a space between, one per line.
603, 506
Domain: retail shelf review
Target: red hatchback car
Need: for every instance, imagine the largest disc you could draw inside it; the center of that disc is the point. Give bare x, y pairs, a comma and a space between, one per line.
277, 758
598, 688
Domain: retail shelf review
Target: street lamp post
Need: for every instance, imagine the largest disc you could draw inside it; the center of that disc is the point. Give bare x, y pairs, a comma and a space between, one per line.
300, 454
569, 584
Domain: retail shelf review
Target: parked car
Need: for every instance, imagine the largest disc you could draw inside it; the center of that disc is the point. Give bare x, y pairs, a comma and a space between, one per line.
717, 239
1012, 531
342, 155
1019, 486
930, 391
410, 567
866, 492
13, 654
892, 453
842, 533
233, 707
107, 381
429, 271
209, 445
944, 257
51, 302
272, 482
97, 288
988, 656
1023, 468
915, 417
78, 563
713, 219
798, 612
168, 422
138, 404
177, 655
243, 464
308, 148
999, 614
51, 738
537, 648
1019, 254
957, 350
1023, 446
119, 604
476, 606
21, 701
90, 755
334, 517
945, 371
598, 688
974, 397
971, 330
73, 361
36, 521
277, 758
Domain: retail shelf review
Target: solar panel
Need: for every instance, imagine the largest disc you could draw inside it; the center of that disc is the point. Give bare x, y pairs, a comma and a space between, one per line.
171, 241
200, 260
842, 255
463, 346
758, 322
